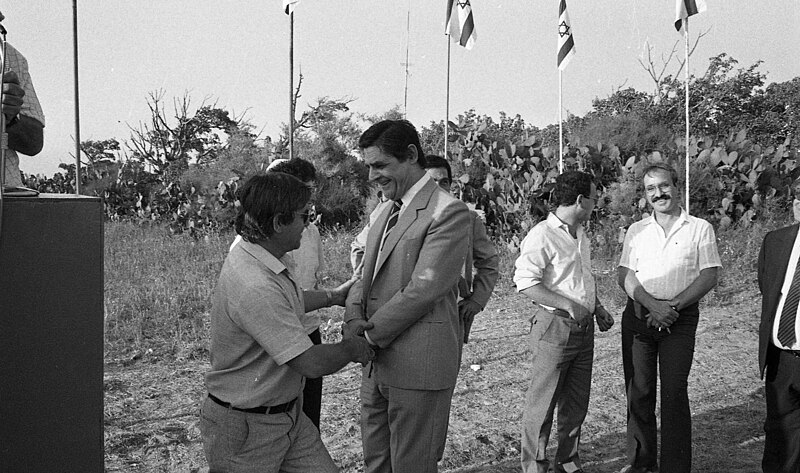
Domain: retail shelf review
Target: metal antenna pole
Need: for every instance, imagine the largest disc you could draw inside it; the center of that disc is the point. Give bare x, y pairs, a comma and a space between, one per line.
447, 102
77, 101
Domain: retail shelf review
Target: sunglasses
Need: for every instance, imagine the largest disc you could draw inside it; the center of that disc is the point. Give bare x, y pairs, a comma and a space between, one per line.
305, 215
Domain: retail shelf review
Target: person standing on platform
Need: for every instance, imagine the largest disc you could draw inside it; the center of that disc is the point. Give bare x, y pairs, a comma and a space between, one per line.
554, 269
669, 262
23, 115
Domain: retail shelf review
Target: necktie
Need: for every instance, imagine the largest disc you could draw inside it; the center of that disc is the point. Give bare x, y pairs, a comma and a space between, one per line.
394, 214
789, 314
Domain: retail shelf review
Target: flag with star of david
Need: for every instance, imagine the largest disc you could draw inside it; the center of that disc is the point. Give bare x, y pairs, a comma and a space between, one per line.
460, 24
686, 8
566, 45
288, 6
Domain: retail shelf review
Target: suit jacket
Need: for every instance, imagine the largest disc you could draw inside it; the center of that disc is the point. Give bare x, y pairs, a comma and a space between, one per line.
412, 299
773, 260
481, 254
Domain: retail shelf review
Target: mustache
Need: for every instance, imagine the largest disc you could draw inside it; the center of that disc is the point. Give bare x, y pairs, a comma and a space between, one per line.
663, 197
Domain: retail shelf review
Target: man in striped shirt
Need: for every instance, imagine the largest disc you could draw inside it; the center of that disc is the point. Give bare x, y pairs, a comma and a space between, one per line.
669, 262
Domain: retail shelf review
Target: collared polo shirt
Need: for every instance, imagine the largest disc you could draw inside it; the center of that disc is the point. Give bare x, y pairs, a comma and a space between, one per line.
549, 255
308, 264
258, 323
666, 264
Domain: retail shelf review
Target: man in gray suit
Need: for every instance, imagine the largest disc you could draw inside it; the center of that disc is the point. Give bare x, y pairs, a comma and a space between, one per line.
413, 257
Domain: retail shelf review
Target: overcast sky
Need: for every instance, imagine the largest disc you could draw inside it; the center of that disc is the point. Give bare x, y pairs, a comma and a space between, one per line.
235, 53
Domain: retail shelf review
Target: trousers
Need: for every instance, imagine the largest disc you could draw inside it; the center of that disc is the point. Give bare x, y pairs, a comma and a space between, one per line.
782, 426
646, 353
561, 377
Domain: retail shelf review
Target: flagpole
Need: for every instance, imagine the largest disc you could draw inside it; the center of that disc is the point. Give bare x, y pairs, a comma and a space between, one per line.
77, 103
408, 40
447, 100
560, 129
686, 94
291, 85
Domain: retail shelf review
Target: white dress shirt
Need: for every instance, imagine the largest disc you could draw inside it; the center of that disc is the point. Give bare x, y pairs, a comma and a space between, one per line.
666, 264
549, 255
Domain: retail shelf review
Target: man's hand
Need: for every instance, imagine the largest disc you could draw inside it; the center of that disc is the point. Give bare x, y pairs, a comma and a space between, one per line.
579, 313
359, 349
355, 328
604, 320
661, 315
467, 310
13, 95
339, 294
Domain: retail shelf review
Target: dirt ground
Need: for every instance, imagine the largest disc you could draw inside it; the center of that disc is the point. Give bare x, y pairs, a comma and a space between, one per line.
151, 406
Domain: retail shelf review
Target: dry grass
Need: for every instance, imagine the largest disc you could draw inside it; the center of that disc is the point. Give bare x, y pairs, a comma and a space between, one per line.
157, 293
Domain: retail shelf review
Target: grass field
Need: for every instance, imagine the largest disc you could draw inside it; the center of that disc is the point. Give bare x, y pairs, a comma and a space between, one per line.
158, 290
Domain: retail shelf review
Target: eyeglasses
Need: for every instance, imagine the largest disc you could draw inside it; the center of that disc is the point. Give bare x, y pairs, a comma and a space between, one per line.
306, 216
661, 187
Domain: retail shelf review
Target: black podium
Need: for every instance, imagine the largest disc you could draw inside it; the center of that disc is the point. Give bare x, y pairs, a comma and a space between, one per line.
51, 334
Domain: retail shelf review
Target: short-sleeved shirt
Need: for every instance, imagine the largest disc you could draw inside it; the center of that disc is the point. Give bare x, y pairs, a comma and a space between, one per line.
550, 256
31, 108
308, 263
258, 323
666, 264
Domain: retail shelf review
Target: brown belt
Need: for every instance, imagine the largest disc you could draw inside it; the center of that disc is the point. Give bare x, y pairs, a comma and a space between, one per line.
279, 409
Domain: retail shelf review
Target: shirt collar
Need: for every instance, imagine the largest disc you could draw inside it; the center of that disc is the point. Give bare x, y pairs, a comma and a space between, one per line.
683, 218
268, 259
554, 222
414, 190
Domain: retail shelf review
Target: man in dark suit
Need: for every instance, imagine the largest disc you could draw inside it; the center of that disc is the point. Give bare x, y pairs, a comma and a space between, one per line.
413, 256
474, 286
779, 345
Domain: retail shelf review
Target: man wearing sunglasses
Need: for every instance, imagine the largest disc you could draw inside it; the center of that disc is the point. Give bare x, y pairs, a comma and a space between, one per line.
308, 266
260, 350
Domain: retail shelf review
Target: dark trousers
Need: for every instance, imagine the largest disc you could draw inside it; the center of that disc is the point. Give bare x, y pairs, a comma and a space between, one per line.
312, 392
782, 427
647, 352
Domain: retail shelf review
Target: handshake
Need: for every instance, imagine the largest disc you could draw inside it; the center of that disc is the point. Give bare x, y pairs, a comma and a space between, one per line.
359, 348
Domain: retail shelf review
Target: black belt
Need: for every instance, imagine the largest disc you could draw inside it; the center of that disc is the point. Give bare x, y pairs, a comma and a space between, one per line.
279, 409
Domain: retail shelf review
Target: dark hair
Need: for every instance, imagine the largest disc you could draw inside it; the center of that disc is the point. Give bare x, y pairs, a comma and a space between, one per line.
297, 167
264, 197
393, 137
663, 167
570, 185
434, 161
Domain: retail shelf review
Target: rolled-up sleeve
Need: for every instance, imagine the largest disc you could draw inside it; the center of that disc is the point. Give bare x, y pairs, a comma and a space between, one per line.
532, 261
